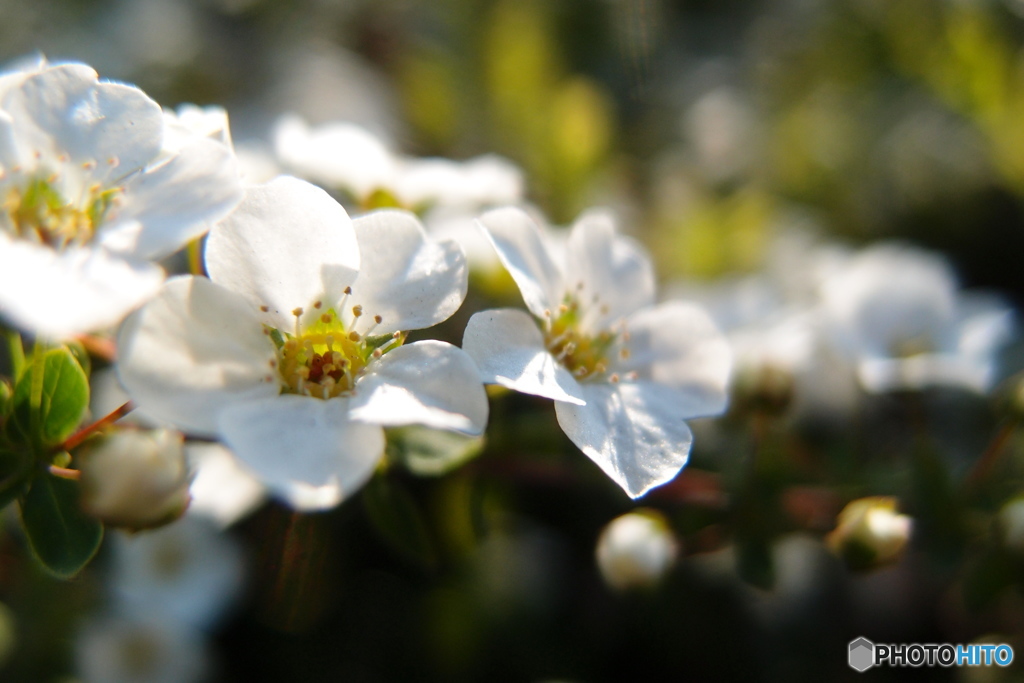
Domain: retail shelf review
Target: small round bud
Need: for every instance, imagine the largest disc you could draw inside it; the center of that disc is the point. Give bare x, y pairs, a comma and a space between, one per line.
136, 479
636, 550
870, 533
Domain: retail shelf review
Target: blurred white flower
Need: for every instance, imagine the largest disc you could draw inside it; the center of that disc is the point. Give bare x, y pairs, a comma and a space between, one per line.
140, 648
292, 353
636, 550
189, 572
93, 186
896, 309
624, 373
348, 157
221, 489
135, 478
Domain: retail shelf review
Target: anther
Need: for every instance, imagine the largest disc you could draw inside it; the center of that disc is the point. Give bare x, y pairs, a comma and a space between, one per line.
614, 379
273, 363
354, 336
357, 310
113, 161
623, 353
377, 353
297, 311
326, 318
318, 304
265, 308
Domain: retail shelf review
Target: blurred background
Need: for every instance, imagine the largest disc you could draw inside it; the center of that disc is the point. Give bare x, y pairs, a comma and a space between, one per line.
736, 140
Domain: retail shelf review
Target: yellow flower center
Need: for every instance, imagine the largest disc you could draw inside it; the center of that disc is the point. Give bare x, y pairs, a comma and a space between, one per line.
585, 355
38, 211
325, 359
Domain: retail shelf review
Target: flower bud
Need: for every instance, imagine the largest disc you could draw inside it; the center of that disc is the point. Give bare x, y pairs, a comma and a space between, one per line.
870, 533
636, 550
136, 479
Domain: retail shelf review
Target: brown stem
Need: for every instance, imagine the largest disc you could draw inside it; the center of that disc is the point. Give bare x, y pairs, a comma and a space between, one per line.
85, 432
65, 473
988, 459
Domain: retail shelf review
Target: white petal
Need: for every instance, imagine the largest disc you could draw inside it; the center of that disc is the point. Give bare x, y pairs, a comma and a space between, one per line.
221, 489
287, 245
57, 294
677, 345
304, 449
66, 110
337, 155
193, 350
176, 201
634, 435
612, 267
429, 383
407, 279
508, 347
879, 374
521, 247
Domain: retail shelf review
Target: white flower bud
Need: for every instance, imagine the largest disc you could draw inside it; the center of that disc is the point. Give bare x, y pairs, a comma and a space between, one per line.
636, 550
870, 532
136, 478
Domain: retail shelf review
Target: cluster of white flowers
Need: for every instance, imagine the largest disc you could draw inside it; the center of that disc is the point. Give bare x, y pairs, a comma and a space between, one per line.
823, 321
290, 348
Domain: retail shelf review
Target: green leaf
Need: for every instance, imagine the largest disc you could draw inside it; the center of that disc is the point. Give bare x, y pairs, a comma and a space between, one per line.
62, 537
15, 473
397, 518
51, 398
431, 452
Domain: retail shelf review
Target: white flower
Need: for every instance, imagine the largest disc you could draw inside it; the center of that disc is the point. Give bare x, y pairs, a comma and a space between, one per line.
129, 648
92, 187
348, 157
292, 352
624, 373
897, 310
189, 572
636, 549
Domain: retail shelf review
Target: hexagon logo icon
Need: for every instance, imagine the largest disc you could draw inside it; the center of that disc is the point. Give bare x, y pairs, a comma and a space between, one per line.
862, 654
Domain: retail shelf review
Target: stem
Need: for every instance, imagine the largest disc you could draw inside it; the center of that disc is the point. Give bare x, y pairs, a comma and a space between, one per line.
87, 431
195, 257
16, 350
64, 473
988, 459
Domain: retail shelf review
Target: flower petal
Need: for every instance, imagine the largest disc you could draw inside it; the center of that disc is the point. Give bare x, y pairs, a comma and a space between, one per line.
57, 294
287, 245
407, 279
633, 434
429, 383
521, 248
339, 155
611, 267
509, 349
177, 200
677, 345
65, 109
193, 350
306, 450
